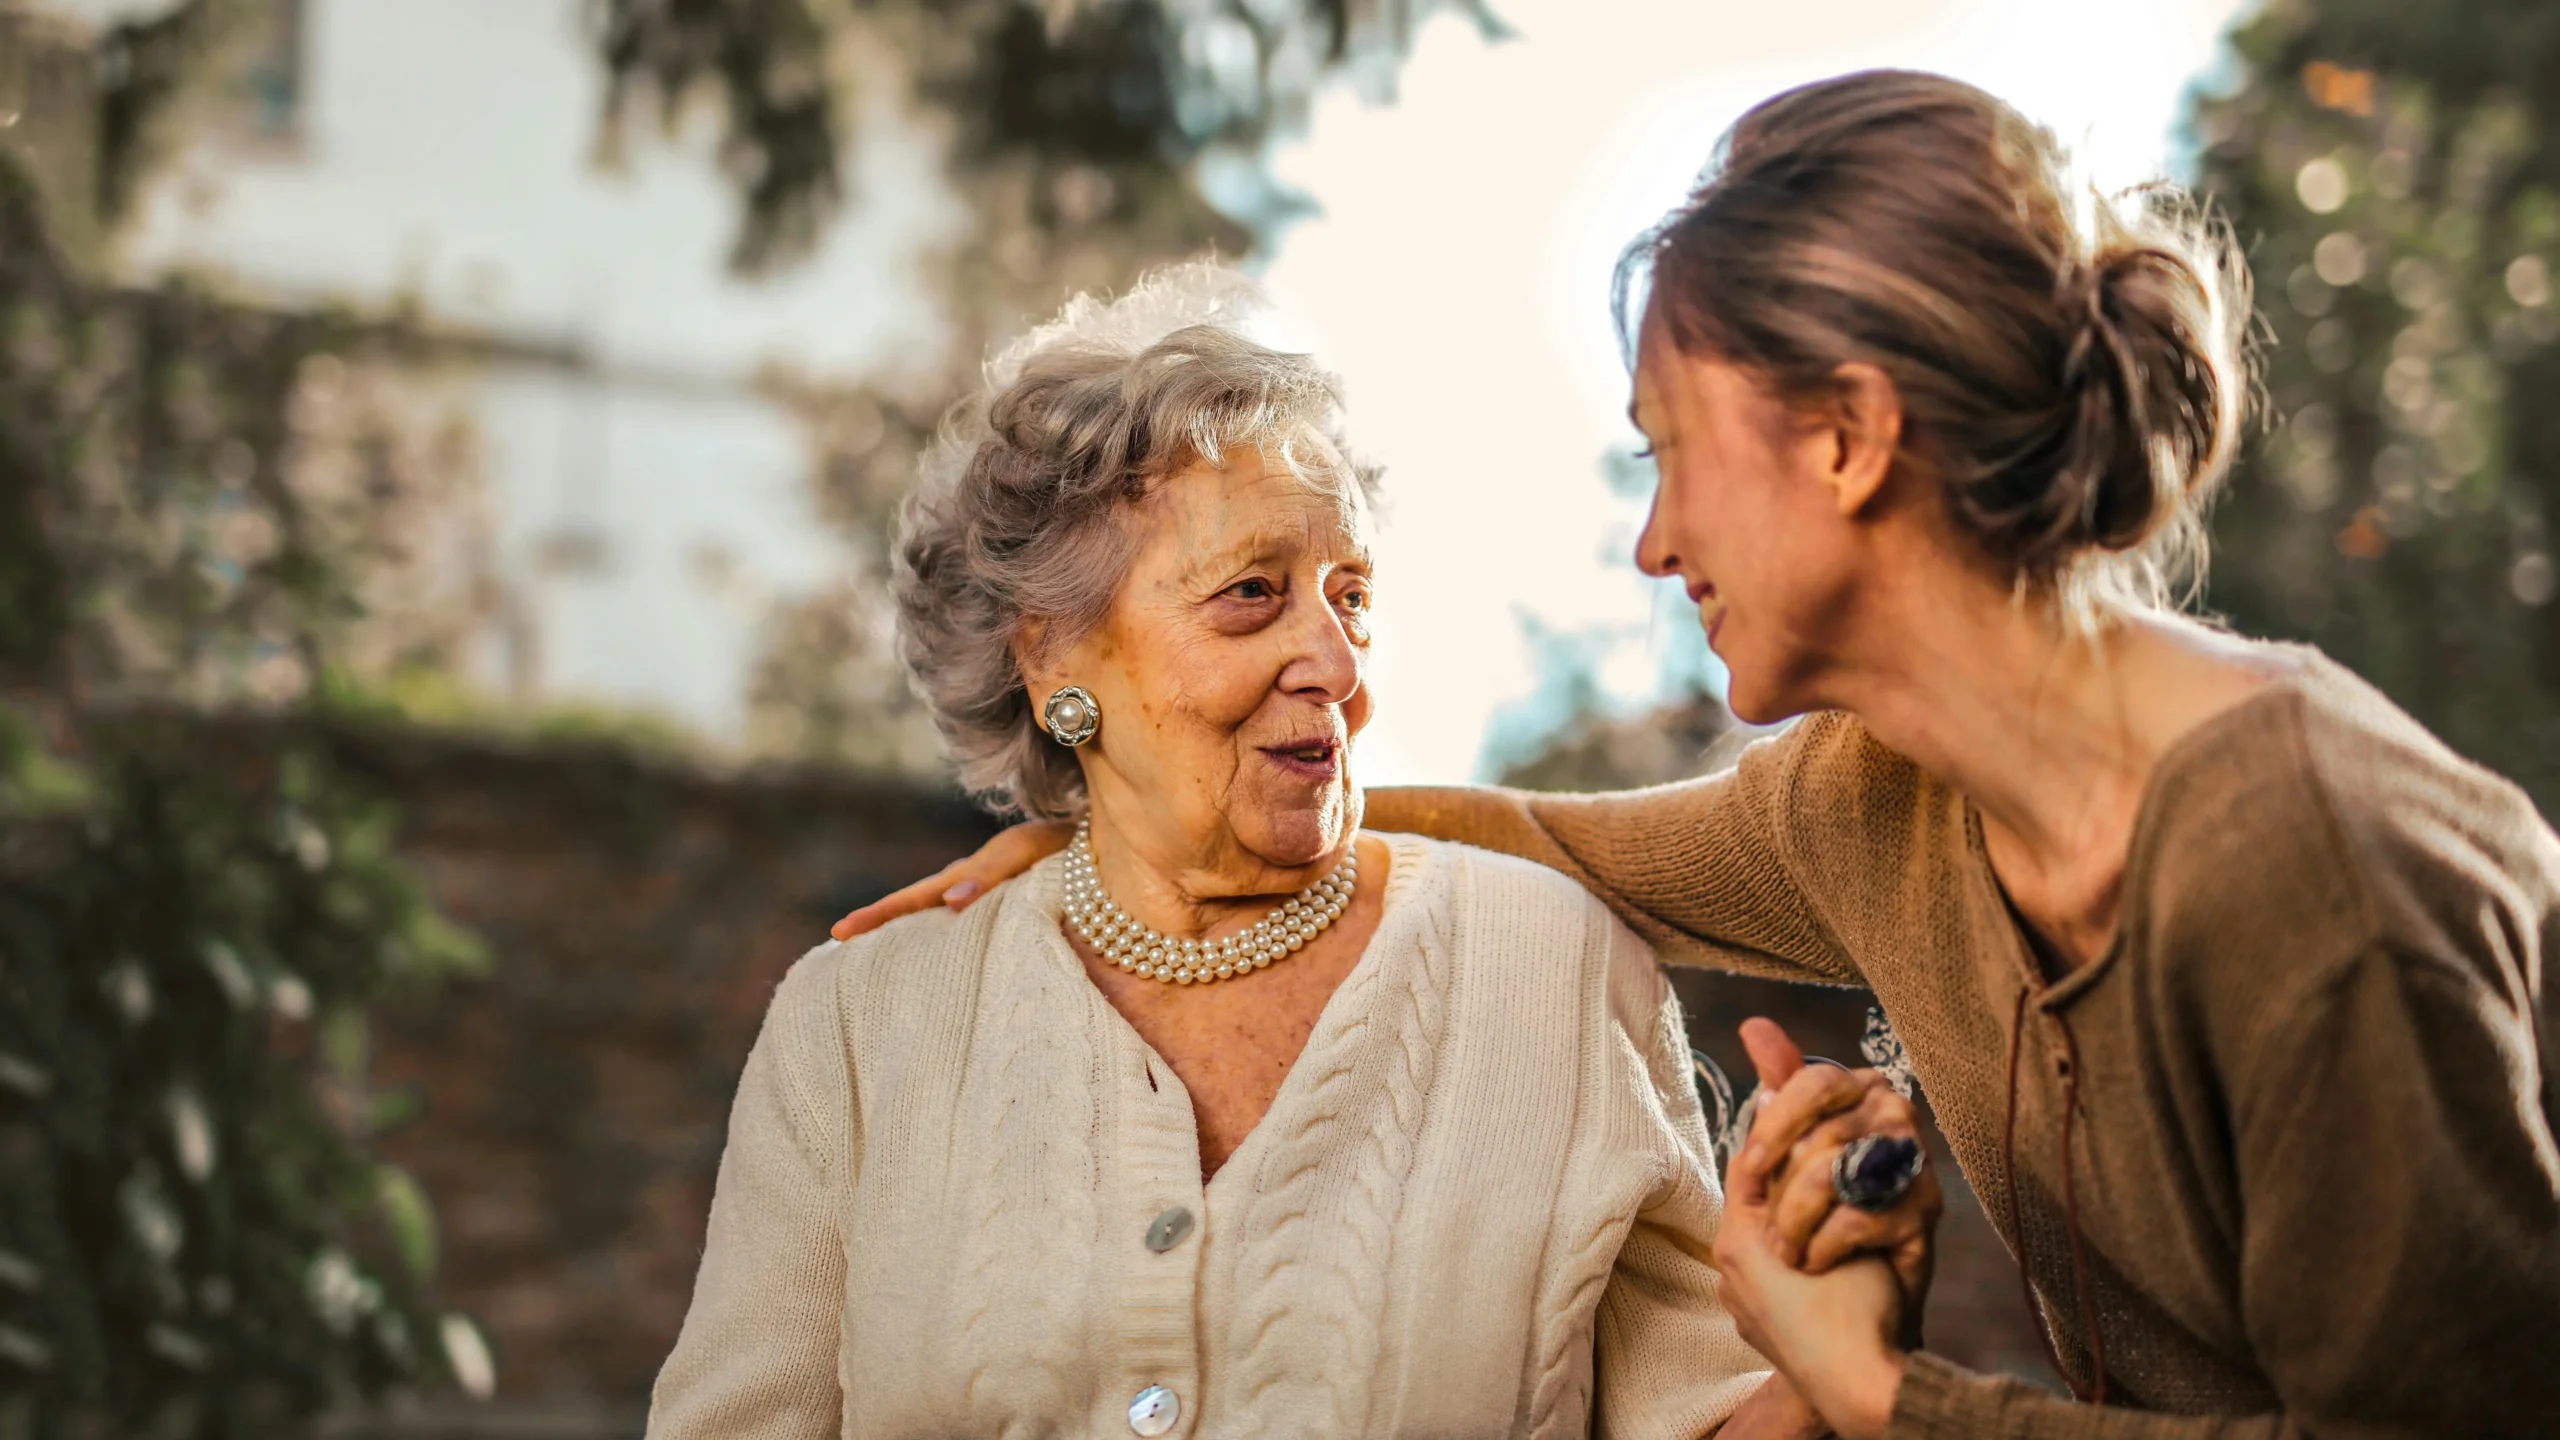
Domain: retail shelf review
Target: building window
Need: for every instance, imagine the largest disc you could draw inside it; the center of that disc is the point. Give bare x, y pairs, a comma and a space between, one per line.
266, 94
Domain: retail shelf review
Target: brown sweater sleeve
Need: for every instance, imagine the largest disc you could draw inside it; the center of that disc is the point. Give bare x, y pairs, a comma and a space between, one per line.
1939, 1401
1698, 869
2400, 1253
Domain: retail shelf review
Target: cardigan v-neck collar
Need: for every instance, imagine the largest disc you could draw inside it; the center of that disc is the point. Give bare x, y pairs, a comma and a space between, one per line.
1409, 867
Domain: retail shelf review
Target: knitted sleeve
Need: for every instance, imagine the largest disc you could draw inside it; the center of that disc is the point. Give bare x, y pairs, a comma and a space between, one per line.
1939, 1401
1668, 1362
1699, 869
756, 1359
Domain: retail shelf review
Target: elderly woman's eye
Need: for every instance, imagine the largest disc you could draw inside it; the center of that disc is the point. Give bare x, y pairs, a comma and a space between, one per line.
1256, 589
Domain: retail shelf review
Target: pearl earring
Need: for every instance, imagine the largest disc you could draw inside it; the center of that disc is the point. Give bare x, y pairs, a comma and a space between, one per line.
1072, 716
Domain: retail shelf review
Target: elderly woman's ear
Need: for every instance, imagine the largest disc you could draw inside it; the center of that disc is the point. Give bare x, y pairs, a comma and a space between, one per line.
1031, 658
1064, 710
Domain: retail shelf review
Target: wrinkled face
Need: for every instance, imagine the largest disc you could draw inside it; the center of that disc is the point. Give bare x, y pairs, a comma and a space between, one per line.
1743, 515
1230, 672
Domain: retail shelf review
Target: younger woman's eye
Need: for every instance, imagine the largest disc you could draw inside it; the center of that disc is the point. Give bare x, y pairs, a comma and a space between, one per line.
1355, 600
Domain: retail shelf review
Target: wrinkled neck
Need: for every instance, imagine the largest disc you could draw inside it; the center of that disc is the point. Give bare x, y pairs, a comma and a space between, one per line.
1205, 890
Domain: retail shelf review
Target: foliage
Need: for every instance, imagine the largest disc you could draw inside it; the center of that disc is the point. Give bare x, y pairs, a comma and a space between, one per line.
1130, 94
2395, 173
194, 1239
147, 67
198, 501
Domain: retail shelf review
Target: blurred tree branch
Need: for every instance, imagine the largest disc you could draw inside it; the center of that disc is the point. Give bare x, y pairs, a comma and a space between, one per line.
1136, 89
147, 70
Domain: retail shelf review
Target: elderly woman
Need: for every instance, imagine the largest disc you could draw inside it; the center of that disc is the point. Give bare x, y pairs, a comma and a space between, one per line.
1229, 1120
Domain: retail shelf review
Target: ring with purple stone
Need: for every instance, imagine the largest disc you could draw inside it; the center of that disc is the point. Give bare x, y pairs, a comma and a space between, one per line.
1873, 1172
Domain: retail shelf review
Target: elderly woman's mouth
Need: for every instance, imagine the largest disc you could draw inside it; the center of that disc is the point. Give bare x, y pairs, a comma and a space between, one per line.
1313, 759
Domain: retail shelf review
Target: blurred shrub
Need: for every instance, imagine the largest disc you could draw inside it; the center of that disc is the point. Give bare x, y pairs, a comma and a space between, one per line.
195, 1237
2394, 171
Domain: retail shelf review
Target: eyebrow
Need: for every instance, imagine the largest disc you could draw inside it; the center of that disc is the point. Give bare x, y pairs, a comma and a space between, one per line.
1267, 545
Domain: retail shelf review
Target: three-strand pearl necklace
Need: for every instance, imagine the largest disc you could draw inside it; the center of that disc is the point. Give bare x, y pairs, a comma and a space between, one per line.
1151, 953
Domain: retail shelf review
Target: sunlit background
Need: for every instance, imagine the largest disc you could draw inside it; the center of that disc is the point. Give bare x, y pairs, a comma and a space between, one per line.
648, 505
1457, 273
447, 449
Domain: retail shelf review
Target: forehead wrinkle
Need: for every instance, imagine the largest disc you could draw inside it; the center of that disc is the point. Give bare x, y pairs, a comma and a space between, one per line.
1267, 540
1292, 530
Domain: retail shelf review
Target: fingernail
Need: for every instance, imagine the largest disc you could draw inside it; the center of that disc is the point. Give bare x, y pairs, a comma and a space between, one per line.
962, 893
842, 930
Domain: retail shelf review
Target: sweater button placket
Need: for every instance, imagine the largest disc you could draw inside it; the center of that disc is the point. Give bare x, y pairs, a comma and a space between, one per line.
1158, 1195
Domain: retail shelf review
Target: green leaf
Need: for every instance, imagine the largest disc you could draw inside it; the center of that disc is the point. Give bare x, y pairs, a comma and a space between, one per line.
411, 1218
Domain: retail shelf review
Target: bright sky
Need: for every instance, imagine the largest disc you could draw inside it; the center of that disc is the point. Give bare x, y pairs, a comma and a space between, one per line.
1458, 278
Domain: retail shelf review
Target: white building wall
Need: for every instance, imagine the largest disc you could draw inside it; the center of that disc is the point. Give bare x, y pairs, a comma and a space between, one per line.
443, 151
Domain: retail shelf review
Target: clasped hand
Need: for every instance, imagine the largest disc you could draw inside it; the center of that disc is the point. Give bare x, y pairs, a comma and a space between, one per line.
1831, 1294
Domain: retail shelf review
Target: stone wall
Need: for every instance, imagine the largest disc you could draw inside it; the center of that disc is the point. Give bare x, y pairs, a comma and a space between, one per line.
570, 1106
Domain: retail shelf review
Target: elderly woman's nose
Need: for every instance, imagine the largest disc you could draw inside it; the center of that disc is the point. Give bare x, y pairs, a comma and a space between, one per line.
1327, 663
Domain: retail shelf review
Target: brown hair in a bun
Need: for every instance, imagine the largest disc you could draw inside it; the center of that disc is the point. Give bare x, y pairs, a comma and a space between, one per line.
2072, 367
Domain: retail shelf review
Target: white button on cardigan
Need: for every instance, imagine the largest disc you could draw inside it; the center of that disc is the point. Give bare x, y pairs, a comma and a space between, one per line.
1155, 1411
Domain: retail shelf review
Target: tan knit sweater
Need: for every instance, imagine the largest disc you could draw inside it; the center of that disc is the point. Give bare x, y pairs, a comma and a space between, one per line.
1477, 1207
2313, 1156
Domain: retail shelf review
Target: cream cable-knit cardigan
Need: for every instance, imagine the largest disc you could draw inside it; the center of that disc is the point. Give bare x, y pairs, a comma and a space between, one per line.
1479, 1205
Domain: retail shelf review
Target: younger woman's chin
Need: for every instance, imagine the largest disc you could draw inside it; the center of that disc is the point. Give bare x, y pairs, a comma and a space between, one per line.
1755, 703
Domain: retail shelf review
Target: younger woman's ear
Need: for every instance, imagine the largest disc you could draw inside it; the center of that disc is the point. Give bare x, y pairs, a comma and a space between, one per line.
1865, 421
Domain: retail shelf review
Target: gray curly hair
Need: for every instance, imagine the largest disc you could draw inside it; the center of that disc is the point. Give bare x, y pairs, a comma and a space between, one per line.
1021, 507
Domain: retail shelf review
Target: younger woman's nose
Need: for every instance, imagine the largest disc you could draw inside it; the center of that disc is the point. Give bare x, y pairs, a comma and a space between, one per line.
1654, 555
